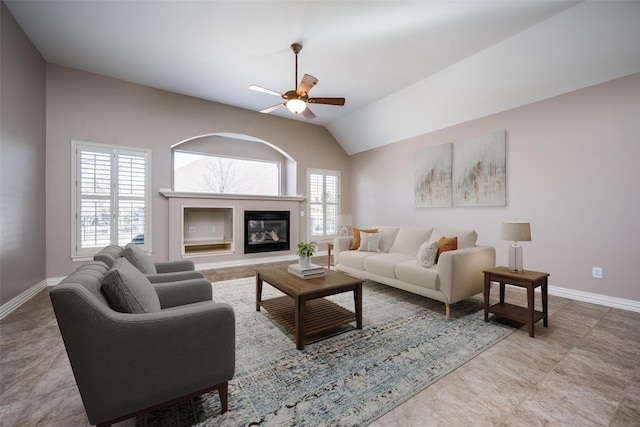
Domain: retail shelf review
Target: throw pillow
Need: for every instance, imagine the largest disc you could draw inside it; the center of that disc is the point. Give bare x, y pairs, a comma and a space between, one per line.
136, 256
128, 290
370, 242
356, 236
446, 244
427, 254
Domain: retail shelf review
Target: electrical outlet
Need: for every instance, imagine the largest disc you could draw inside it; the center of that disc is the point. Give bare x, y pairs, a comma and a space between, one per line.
597, 272
213, 228
192, 229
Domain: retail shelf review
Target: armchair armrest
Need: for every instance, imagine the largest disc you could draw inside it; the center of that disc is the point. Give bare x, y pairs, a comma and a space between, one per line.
175, 276
172, 294
124, 363
460, 271
172, 266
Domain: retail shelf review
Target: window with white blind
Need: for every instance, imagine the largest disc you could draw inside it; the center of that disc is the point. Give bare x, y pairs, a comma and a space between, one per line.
111, 197
324, 203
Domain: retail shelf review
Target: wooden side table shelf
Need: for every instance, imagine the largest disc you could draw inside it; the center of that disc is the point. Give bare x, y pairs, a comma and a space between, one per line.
526, 279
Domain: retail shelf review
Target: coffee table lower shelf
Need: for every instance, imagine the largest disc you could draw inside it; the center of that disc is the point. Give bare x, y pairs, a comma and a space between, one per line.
514, 312
321, 314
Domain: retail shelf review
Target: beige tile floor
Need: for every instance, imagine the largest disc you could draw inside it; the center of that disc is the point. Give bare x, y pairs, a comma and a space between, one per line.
583, 370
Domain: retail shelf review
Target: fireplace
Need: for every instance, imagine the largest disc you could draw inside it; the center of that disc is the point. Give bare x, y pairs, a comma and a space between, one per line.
266, 231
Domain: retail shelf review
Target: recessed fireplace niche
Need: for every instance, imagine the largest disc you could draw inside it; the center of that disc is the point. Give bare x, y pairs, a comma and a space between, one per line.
266, 231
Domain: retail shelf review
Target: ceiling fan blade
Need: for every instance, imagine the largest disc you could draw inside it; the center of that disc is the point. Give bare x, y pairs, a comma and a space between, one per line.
330, 101
273, 108
308, 114
264, 90
306, 84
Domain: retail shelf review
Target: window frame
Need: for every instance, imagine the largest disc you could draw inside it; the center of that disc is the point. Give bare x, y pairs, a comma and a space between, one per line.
77, 147
214, 156
325, 173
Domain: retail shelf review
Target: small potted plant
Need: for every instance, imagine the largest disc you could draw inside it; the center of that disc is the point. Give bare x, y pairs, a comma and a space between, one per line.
305, 252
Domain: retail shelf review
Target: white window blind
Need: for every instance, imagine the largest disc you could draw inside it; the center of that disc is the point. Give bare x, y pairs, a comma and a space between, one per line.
324, 203
112, 193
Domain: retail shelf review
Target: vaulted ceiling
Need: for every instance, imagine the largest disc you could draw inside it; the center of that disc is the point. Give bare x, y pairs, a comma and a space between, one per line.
404, 67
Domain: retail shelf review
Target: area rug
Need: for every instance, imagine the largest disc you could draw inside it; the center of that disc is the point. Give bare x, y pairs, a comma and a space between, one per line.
348, 379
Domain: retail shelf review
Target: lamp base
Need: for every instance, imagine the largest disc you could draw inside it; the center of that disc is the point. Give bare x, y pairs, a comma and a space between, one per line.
515, 258
344, 231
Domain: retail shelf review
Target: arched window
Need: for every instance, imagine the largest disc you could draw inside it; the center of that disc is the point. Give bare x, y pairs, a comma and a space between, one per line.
233, 164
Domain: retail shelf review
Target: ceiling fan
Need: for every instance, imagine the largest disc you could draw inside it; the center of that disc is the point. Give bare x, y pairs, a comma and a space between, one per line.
296, 100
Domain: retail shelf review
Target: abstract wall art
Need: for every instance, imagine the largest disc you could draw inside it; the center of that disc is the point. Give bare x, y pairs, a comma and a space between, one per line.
480, 171
470, 172
432, 173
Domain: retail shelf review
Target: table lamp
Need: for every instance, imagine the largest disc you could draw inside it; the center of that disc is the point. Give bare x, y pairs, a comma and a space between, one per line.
516, 231
344, 220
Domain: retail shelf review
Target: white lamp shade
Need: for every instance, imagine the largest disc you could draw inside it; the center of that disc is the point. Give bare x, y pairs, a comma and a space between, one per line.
516, 231
296, 106
344, 220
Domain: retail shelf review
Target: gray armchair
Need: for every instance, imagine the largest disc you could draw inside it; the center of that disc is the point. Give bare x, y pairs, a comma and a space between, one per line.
177, 346
164, 271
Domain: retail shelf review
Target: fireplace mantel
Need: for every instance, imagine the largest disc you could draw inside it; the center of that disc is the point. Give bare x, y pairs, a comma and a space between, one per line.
223, 196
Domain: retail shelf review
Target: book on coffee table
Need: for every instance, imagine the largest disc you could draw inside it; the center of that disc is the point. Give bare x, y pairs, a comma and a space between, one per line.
310, 272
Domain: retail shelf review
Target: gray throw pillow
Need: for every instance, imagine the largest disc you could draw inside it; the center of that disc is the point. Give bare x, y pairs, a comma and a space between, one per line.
136, 256
427, 254
128, 290
370, 242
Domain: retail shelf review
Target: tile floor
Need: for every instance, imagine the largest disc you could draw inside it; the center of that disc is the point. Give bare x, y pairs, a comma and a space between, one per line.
583, 370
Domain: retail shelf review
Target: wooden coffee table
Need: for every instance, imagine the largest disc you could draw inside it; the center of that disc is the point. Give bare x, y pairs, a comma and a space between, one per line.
304, 310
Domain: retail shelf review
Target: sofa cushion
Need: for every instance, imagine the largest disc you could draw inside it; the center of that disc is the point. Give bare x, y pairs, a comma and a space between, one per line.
128, 290
136, 256
427, 254
466, 238
369, 242
413, 273
354, 259
356, 236
446, 244
389, 234
409, 239
385, 264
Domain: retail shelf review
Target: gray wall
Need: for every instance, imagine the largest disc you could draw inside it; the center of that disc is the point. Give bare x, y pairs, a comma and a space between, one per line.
85, 106
22, 160
572, 171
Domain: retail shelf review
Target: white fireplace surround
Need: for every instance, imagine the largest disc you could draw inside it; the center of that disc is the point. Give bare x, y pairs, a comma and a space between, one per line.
178, 200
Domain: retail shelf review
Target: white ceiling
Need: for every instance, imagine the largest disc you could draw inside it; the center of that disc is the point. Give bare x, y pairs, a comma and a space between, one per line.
366, 51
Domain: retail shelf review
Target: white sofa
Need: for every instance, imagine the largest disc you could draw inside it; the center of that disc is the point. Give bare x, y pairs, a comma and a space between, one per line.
457, 275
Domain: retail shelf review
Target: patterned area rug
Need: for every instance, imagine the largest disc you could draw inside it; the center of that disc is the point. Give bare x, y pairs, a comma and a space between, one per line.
347, 379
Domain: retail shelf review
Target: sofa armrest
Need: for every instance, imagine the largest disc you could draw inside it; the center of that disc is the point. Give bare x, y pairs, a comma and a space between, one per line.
460, 272
341, 244
172, 266
124, 363
174, 276
172, 294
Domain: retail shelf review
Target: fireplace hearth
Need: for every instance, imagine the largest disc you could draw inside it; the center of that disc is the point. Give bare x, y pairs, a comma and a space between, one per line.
266, 231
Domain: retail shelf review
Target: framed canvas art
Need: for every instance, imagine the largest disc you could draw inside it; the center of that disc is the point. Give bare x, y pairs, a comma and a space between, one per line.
479, 171
432, 176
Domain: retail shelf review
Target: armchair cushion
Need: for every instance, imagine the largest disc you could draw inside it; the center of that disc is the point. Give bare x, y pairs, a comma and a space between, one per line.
128, 290
139, 259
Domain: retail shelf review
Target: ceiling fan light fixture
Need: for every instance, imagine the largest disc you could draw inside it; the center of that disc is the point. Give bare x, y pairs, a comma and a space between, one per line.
296, 106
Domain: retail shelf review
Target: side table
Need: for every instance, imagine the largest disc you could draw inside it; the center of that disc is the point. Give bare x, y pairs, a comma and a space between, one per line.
526, 279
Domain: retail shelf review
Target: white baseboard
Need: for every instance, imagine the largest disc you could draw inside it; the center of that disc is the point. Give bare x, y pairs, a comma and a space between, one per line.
15, 303
624, 304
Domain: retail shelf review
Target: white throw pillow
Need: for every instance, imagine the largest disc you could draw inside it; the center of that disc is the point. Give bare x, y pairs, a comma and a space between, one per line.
427, 254
370, 242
